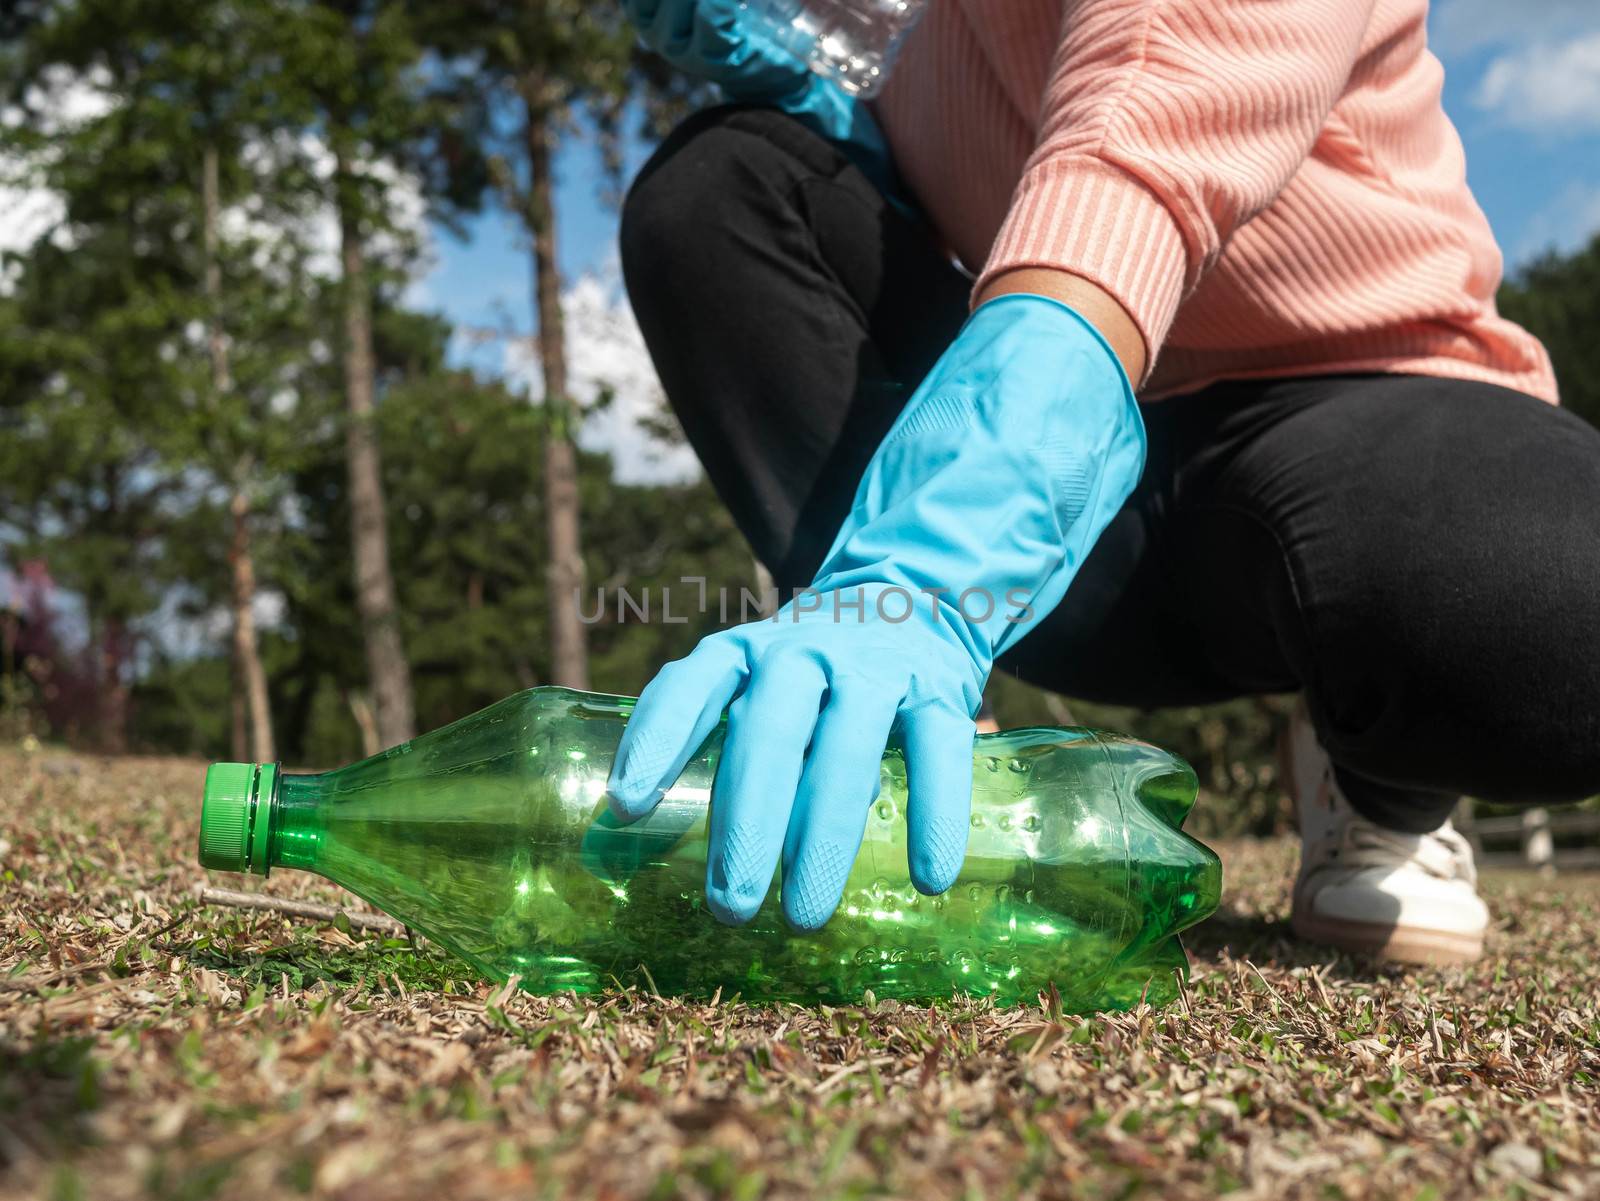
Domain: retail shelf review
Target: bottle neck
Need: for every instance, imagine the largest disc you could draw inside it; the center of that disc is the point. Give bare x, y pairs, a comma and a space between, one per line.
297, 828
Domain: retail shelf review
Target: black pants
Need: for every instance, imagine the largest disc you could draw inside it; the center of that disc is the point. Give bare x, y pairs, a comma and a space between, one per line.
1421, 556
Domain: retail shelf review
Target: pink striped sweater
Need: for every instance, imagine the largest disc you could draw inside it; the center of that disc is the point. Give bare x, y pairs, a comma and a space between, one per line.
1269, 187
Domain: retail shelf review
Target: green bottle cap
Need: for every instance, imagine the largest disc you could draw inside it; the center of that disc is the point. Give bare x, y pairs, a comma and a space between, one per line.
225, 817
236, 816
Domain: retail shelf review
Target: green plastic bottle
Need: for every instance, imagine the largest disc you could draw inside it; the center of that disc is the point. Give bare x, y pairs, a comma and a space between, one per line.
492, 837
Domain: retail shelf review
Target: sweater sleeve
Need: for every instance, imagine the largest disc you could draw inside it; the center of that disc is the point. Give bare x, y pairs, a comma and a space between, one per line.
1166, 125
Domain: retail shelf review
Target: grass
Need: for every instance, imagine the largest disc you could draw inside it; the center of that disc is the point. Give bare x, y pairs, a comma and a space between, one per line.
151, 1048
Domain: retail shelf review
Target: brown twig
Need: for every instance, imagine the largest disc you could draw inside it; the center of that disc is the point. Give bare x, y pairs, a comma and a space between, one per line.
307, 909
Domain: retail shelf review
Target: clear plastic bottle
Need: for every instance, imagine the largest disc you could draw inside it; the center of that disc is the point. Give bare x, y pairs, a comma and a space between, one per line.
493, 837
853, 42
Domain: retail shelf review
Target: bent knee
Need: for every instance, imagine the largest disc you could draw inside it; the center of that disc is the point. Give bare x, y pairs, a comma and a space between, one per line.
1490, 683
1464, 615
704, 182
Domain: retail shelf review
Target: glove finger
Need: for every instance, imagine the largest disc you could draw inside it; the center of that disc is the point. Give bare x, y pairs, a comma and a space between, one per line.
938, 747
676, 712
837, 788
676, 22
716, 32
754, 65
769, 727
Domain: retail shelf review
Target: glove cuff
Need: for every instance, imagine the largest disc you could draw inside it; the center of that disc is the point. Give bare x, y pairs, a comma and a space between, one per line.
993, 484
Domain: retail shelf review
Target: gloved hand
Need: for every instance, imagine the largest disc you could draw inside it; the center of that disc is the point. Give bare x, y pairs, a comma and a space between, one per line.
968, 525
720, 42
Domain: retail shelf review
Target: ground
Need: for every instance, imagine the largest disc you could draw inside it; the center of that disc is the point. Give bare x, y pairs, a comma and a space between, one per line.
153, 1048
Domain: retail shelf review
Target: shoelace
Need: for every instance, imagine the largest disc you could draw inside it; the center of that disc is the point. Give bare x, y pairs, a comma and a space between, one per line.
1444, 853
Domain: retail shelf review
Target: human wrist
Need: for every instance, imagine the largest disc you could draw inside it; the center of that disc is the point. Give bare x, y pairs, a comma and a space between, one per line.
1088, 300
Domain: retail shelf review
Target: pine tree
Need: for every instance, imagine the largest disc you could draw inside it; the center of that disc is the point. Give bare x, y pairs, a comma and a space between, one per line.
93, 346
357, 67
215, 53
193, 101
1557, 298
554, 63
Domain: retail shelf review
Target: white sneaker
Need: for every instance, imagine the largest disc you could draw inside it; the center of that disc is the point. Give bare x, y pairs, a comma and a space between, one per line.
1364, 888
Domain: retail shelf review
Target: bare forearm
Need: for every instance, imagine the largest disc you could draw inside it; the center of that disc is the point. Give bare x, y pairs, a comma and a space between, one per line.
1092, 302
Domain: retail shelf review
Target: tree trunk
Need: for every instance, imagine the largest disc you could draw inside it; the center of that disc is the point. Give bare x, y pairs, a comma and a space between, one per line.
361, 711
252, 679
380, 625
211, 201
113, 686
238, 714
569, 652
252, 712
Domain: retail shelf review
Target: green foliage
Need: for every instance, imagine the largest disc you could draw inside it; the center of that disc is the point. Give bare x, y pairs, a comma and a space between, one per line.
557, 57
467, 540
355, 75
152, 354
56, 1080
180, 706
1557, 298
158, 354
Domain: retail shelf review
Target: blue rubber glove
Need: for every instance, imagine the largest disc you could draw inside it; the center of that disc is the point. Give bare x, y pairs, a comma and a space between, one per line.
718, 41
968, 525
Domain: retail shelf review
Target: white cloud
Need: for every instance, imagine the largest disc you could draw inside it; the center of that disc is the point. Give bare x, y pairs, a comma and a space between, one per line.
65, 100
1546, 87
180, 635
606, 352
1458, 26
26, 210
29, 210
1565, 223
317, 230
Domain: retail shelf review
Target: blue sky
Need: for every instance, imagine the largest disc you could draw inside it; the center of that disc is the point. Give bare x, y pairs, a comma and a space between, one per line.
1522, 83
484, 279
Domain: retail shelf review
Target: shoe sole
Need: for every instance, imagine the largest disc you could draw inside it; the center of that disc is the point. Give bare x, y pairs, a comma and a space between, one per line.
1399, 944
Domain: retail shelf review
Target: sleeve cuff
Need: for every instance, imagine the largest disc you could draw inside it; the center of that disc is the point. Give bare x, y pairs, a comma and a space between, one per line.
1091, 218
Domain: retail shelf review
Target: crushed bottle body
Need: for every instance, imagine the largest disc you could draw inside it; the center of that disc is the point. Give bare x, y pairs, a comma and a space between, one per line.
493, 837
